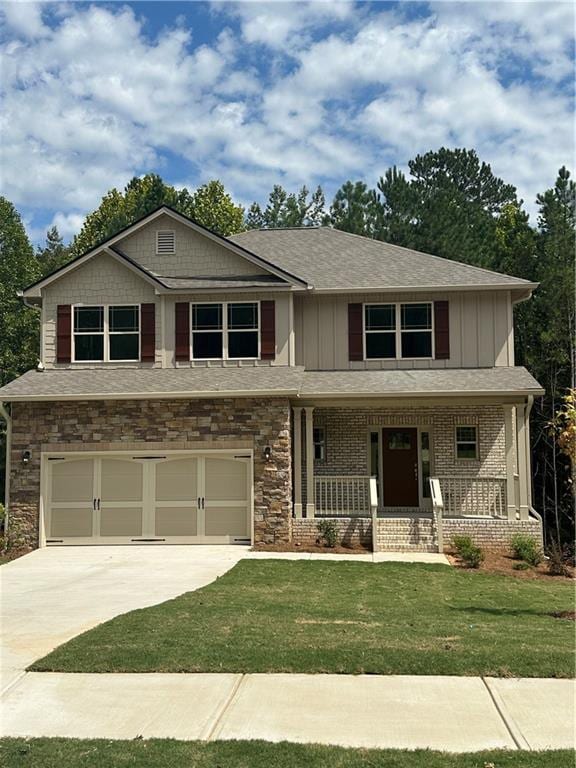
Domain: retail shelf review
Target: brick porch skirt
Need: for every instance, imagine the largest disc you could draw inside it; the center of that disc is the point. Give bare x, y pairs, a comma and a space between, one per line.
354, 531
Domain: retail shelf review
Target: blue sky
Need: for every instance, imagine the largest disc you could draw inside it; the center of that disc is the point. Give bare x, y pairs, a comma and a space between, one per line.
259, 93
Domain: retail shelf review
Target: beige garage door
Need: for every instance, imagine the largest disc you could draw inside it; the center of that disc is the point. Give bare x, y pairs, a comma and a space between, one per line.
117, 499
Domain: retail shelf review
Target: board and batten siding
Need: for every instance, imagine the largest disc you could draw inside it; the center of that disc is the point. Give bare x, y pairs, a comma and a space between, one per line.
102, 280
481, 330
283, 309
195, 254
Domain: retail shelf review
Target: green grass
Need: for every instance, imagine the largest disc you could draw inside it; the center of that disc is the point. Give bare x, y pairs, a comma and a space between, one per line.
313, 616
164, 753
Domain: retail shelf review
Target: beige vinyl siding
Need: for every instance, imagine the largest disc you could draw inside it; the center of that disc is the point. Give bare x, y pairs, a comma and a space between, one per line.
102, 280
195, 254
283, 309
481, 333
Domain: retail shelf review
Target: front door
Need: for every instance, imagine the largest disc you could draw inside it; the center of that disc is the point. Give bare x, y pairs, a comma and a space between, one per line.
400, 466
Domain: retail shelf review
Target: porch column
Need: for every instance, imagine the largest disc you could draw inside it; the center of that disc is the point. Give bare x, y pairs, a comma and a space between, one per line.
529, 450
522, 460
297, 474
310, 504
511, 500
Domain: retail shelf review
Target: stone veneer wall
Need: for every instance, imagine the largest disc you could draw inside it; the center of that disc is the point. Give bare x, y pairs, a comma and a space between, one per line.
159, 425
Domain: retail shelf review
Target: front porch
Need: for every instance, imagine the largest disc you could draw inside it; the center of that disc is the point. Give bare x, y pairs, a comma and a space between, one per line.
477, 451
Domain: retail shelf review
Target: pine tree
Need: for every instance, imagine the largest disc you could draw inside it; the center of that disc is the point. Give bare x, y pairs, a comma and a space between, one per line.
354, 209
54, 254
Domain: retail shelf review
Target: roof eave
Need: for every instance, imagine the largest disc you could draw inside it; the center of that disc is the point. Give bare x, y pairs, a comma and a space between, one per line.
525, 287
204, 394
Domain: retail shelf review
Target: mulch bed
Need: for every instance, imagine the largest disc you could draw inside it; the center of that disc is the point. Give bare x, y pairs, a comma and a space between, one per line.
503, 562
313, 548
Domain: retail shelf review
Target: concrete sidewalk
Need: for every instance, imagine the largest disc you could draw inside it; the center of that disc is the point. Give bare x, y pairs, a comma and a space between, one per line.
432, 558
455, 714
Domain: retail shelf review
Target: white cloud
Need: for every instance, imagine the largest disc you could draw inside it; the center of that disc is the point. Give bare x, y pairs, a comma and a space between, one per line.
285, 93
24, 18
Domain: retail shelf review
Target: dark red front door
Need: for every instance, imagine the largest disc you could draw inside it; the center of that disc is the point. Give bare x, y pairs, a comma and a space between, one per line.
400, 466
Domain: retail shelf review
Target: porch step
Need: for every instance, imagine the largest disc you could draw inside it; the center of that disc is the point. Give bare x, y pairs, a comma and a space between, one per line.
409, 534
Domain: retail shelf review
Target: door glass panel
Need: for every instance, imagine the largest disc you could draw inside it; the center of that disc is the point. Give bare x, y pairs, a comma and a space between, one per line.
226, 480
121, 480
399, 441
121, 521
72, 480
374, 455
71, 522
176, 480
425, 452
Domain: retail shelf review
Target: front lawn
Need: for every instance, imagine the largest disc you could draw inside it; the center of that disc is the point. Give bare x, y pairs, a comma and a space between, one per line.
164, 753
313, 616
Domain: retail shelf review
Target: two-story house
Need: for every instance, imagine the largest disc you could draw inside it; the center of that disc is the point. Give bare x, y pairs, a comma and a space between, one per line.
201, 389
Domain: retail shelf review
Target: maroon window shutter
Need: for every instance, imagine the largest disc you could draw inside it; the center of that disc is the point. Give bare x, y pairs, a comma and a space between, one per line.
355, 341
63, 333
442, 330
183, 331
267, 330
148, 333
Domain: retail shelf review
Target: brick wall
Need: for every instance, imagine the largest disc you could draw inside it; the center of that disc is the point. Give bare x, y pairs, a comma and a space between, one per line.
490, 534
155, 424
351, 532
346, 432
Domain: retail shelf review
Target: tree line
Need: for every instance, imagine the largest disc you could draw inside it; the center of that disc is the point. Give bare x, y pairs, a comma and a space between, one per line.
450, 203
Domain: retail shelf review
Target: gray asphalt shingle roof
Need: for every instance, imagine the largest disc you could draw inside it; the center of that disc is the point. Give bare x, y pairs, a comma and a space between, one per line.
330, 259
125, 383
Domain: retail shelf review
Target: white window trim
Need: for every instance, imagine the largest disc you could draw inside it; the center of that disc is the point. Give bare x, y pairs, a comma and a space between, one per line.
398, 331
224, 331
106, 333
322, 443
457, 442
166, 232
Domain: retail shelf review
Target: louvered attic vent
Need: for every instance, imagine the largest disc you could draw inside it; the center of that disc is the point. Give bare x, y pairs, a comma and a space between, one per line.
165, 242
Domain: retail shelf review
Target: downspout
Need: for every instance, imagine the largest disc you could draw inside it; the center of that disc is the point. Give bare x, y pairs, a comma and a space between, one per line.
8, 419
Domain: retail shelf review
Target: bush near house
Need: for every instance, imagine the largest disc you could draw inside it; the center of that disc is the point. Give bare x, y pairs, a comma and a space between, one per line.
527, 549
328, 531
470, 554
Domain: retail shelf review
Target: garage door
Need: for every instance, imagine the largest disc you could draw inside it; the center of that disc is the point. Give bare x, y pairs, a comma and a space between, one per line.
118, 499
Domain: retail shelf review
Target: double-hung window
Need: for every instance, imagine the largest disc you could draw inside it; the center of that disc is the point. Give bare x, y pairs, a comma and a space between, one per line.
107, 333
226, 331
394, 331
466, 443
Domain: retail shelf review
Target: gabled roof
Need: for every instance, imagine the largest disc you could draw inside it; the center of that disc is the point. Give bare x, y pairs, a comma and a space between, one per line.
110, 246
332, 260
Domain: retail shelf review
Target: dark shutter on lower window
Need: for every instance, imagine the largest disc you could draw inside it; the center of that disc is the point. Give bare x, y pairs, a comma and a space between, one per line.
148, 333
355, 341
267, 330
182, 331
442, 330
63, 333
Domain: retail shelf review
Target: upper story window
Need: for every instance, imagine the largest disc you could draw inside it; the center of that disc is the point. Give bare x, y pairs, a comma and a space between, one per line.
106, 333
226, 331
393, 331
165, 242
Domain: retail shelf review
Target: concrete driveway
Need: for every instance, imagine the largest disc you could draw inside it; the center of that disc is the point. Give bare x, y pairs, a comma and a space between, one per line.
55, 593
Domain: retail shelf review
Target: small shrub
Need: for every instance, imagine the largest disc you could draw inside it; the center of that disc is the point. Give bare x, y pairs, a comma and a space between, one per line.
470, 554
521, 566
526, 548
328, 531
558, 558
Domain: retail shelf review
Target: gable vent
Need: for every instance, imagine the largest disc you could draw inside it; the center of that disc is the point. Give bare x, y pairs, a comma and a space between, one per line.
165, 242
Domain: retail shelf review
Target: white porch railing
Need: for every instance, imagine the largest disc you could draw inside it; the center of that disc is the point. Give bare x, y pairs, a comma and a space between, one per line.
473, 496
342, 496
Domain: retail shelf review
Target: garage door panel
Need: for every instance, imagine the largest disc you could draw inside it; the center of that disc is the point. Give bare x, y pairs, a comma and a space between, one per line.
226, 521
73, 522
176, 521
121, 521
121, 480
73, 481
176, 480
226, 480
